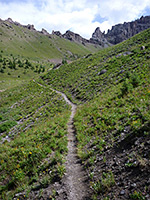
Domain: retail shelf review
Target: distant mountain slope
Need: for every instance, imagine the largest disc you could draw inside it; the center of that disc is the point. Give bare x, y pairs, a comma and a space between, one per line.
121, 32
25, 41
85, 78
69, 35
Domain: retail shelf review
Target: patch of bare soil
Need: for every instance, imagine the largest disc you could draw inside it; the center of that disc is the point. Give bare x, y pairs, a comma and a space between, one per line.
129, 162
55, 61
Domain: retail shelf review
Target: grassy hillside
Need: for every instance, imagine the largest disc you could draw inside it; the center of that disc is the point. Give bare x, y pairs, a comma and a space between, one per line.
15, 71
18, 40
19, 45
112, 90
33, 139
113, 121
87, 77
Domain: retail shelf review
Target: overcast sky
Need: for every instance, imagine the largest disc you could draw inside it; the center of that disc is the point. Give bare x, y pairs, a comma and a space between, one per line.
79, 16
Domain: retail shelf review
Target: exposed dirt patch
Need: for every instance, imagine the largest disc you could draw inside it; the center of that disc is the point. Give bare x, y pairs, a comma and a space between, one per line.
128, 161
55, 61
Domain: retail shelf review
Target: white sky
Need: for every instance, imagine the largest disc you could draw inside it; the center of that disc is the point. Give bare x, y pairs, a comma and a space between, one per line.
79, 16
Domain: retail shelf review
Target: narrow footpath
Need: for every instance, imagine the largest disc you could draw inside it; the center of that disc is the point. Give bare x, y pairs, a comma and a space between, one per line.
74, 185
74, 181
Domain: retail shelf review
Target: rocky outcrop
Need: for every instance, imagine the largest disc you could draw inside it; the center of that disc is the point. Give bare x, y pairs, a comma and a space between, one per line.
10, 20
69, 35
58, 33
124, 31
31, 27
75, 37
44, 32
121, 32
99, 38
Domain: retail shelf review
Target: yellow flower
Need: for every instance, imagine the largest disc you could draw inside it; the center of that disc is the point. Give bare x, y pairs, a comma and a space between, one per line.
30, 152
18, 166
2, 161
134, 122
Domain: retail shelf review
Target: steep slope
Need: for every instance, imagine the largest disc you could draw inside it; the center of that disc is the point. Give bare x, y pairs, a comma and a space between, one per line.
85, 78
33, 140
25, 41
113, 128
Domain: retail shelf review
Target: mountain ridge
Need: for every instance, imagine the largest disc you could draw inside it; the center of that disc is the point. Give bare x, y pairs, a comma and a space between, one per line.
27, 42
115, 35
121, 32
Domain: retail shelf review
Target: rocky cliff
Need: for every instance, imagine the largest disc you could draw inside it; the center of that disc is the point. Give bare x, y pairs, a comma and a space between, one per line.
99, 38
121, 32
75, 37
69, 35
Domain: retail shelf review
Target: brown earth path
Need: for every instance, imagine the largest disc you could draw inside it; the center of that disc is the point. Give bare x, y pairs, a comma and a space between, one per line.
74, 181
74, 185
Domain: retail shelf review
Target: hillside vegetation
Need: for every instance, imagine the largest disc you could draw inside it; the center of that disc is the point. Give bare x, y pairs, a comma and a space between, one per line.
113, 121
112, 124
34, 45
33, 139
85, 78
15, 71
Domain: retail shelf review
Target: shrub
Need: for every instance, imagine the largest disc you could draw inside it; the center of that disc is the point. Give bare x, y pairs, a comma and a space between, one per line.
126, 87
135, 80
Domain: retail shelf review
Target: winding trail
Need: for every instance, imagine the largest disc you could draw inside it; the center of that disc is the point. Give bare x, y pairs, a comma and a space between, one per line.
74, 181
74, 184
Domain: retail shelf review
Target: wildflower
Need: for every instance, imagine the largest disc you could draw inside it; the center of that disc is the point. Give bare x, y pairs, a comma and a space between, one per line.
134, 122
18, 166
2, 161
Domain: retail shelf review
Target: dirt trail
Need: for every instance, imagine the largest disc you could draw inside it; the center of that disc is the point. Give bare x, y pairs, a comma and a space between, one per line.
73, 186
74, 181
